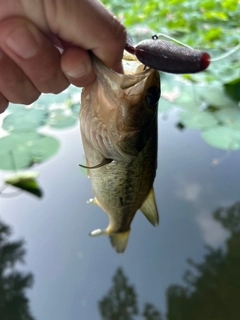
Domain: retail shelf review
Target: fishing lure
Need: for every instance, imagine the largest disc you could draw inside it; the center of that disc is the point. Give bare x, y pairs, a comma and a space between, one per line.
169, 57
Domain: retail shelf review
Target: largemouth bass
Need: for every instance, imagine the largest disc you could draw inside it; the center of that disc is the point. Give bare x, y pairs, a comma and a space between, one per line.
118, 120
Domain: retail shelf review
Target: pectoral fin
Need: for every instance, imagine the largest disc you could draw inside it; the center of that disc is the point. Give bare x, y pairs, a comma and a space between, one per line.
98, 232
149, 208
92, 201
105, 161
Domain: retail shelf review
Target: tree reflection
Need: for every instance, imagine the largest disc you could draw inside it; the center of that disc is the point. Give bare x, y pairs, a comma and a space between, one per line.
212, 288
150, 312
14, 305
120, 303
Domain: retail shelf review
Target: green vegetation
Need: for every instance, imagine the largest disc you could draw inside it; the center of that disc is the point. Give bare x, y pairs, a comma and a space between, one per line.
199, 23
208, 101
24, 145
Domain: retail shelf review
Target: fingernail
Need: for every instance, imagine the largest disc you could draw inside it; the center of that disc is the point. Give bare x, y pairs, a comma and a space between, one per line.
22, 42
81, 70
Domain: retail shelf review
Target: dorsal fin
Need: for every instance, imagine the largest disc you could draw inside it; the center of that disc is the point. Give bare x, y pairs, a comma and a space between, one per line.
149, 208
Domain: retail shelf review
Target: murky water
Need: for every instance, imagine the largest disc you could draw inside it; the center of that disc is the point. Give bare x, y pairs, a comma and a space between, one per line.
73, 272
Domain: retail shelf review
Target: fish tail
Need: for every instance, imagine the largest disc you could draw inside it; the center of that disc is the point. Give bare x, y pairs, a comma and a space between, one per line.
119, 240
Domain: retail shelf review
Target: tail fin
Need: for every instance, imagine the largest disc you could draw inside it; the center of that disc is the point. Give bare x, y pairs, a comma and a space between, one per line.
119, 240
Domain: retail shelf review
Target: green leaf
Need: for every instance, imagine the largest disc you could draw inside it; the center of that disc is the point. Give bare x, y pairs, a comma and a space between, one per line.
197, 120
229, 117
25, 181
23, 149
232, 88
222, 138
25, 119
62, 118
214, 95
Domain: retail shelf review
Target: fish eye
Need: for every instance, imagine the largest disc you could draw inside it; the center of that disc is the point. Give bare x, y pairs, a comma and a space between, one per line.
153, 95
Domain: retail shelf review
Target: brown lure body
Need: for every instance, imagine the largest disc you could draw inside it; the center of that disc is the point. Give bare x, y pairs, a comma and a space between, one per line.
168, 57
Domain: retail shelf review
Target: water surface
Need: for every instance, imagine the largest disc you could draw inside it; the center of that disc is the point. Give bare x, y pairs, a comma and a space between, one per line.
73, 272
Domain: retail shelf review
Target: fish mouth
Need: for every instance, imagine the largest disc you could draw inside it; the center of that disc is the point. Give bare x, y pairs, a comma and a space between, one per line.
134, 73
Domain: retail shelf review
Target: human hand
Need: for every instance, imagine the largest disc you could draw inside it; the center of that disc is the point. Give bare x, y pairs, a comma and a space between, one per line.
31, 64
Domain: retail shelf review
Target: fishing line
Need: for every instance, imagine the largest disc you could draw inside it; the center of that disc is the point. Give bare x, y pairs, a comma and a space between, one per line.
233, 50
155, 37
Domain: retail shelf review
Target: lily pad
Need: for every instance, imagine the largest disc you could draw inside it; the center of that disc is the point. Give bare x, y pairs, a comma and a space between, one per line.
75, 109
25, 181
15, 107
197, 120
229, 117
23, 149
62, 118
25, 119
233, 89
164, 105
215, 96
222, 138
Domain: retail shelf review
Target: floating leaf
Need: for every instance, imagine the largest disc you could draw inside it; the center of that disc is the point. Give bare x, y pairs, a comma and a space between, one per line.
25, 119
62, 118
75, 109
197, 120
25, 181
22, 149
15, 107
229, 117
164, 105
222, 138
233, 89
215, 96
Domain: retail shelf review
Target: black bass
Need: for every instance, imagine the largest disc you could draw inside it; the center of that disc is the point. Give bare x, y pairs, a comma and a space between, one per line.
118, 120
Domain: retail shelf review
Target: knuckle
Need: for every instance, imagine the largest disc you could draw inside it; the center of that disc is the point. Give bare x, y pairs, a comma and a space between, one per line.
119, 31
51, 82
3, 103
61, 87
29, 98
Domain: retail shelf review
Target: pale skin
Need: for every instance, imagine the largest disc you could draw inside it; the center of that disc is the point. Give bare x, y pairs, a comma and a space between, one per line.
30, 30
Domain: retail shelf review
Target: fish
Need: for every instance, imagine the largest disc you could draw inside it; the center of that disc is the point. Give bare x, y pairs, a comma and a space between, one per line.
118, 123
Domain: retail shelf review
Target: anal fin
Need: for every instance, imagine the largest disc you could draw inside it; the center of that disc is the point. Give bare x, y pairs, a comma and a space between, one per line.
119, 240
149, 208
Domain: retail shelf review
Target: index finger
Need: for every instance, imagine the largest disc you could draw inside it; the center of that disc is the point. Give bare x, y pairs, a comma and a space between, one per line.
89, 25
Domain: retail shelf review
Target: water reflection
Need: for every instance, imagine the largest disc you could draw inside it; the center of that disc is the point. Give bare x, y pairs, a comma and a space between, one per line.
14, 304
211, 289
120, 302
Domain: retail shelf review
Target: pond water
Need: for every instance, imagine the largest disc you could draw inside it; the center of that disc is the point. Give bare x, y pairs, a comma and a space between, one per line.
79, 277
